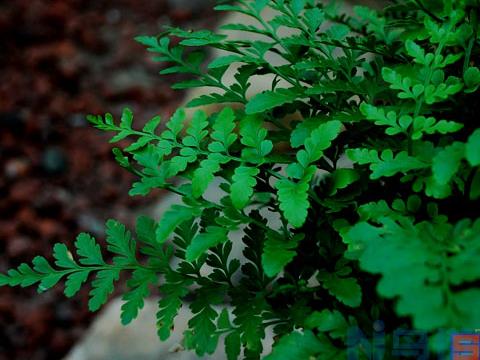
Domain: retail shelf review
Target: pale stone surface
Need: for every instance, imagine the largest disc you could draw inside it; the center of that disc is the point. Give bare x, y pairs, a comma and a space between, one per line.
108, 339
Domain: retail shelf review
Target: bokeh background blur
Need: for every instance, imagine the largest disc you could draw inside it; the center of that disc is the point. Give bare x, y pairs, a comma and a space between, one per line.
61, 60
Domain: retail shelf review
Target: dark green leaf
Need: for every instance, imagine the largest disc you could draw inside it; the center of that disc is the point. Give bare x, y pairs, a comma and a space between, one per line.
172, 218
213, 236
271, 99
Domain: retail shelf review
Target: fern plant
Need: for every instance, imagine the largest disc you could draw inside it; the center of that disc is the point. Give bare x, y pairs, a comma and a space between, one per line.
375, 182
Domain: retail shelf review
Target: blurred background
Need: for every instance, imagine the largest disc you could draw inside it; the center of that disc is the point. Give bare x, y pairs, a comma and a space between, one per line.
61, 60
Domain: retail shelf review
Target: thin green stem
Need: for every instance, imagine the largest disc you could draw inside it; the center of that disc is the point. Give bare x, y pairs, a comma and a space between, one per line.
419, 102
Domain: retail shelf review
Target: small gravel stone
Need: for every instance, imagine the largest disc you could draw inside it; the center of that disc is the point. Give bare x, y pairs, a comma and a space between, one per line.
54, 161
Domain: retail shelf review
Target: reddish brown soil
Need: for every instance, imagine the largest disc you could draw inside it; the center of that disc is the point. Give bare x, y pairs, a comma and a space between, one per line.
60, 60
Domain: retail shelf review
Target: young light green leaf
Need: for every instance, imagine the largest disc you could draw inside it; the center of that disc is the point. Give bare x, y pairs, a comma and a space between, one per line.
387, 164
152, 125
149, 41
252, 135
204, 174
223, 128
472, 148
196, 131
252, 131
443, 91
415, 51
399, 82
429, 125
388, 119
174, 125
126, 119
303, 130
319, 140
242, 186
293, 198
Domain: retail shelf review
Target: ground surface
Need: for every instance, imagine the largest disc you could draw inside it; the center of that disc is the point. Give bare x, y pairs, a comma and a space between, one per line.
58, 61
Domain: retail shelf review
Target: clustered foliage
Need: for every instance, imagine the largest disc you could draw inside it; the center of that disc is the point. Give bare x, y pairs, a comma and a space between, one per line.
375, 180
